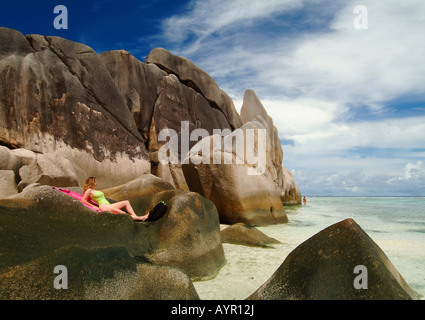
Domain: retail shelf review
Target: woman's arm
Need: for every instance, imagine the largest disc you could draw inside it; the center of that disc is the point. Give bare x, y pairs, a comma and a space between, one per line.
85, 198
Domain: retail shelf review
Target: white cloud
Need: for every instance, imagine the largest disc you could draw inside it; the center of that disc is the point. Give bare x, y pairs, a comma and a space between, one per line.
210, 16
343, 64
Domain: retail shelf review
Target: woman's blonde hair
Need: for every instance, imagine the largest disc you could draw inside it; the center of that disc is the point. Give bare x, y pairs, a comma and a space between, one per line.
89, 183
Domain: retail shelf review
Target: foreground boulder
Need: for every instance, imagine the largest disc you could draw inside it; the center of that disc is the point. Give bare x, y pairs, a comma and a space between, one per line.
187, 237
40, 220
161, 283
323, 268
247, 235
98, 273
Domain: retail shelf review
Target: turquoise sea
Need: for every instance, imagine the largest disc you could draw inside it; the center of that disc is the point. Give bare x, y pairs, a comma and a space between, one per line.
396, 224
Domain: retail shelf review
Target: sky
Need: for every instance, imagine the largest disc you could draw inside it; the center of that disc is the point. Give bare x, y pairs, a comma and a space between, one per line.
343, 80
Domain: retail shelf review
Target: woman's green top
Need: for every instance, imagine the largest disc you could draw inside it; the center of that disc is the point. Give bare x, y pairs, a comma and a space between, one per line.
99, 197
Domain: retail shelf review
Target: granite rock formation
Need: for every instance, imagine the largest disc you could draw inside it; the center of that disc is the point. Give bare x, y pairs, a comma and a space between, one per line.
81, 114
323, 268
93, 274
58, 96
40, 220
253, 110
246, 235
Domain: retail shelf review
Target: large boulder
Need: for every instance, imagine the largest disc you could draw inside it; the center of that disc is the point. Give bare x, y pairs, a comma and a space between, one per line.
57, 95
290, 194
137, 83
247, 235
40, 220
187, 237
240, 185
144, 186
325, 267
162, 283
162, 100
178, 112
193, 76
93, 274
182, 109
253, 110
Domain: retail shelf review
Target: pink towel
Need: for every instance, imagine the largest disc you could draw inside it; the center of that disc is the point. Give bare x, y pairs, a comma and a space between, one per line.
78, 196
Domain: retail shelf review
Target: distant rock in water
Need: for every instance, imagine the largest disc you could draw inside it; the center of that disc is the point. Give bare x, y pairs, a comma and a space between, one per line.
323, 268
247, 235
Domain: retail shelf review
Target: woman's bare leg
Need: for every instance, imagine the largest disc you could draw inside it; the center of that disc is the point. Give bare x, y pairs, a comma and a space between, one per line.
117, 206
124, 204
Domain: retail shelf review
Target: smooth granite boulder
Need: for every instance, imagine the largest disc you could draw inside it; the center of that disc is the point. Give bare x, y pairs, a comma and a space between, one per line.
137, 83
56, 95
325, 267
194, 77
40, 220
253, 110
243, 190
247, 235
187, 237
104, 273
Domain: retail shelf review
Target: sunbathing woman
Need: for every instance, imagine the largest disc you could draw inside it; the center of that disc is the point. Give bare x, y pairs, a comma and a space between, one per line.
104, 205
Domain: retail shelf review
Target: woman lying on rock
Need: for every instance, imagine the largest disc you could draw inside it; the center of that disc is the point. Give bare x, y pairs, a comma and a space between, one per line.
89, 193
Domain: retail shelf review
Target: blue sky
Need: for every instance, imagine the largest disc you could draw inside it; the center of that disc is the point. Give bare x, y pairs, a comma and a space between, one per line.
349, 104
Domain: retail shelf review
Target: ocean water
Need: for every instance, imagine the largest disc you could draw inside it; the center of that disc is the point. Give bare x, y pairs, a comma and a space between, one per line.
395, 224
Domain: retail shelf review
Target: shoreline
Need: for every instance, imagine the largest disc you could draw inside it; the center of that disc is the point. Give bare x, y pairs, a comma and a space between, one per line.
265, 261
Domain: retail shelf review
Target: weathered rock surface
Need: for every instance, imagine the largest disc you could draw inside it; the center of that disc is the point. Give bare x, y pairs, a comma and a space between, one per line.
177, 103
187, 237
137, 83
93, 274
323, 268
81, 114
247, 235
40, 220
162, 283
57, 95
242, 189
290, 194
144, 186
8, 185
253, 110
194, 77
